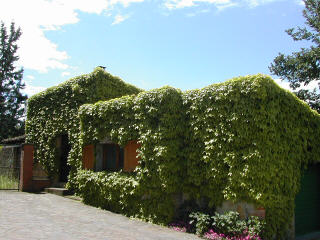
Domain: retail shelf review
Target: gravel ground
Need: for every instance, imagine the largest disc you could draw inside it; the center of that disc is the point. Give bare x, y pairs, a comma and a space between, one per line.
47, 216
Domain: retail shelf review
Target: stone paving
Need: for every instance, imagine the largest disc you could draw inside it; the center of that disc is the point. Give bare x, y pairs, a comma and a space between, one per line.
47, 216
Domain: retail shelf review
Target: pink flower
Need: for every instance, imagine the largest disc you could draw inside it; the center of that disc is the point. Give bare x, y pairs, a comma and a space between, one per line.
178, 226
218, 236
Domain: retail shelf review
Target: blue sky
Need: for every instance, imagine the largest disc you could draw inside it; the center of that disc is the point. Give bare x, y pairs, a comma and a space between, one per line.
186, 44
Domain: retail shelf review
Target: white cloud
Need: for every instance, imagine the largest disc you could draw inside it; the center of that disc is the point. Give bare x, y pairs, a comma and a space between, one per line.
124, 3
285, 85
34, 17
30, 77
38, 53
174, 4
119, 18
224, 6
219, 4
312, 85
63, 74
255, 3
31, 89
37, 16
193, 14
300, 2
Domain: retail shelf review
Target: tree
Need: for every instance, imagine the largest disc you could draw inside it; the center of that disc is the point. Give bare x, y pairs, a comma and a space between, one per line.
302, 67
12, 101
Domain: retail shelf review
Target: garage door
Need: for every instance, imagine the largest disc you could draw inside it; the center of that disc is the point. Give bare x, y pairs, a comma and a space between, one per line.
307, 211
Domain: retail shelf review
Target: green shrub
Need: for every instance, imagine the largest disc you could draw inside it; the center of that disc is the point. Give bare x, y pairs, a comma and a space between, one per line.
113, 191
231, 225
228, 224
201, 222
255, 226
120, 192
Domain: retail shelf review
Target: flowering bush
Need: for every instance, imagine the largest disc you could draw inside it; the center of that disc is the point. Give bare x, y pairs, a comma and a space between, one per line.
219, 236
227, 226
180, 226
200, 221
229, 223
215, 236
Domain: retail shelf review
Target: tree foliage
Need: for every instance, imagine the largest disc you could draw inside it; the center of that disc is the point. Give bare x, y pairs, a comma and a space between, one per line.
302, 67
11, 99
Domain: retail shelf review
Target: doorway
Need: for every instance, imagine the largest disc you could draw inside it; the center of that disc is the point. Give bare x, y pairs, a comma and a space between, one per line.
64, 167
308, 202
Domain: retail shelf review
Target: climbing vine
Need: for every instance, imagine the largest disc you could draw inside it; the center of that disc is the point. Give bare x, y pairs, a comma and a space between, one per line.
243, 140
249, 140
154, 119
54, 112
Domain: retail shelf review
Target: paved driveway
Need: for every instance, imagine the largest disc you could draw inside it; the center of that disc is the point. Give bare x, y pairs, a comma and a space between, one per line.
46, 216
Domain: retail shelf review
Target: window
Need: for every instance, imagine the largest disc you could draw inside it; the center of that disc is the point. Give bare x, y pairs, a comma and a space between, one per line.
109, 156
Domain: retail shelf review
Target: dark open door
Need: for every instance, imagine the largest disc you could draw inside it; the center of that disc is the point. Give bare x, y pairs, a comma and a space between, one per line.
307, 202
64, 168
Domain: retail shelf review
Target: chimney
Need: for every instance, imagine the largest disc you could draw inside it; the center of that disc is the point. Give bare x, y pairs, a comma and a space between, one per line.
104, 68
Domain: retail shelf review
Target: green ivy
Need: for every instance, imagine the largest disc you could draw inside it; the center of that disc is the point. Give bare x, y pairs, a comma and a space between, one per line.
113, 191
120, 192
200, 221
154, 118
243, 140
249, 140
231, 225
54, 112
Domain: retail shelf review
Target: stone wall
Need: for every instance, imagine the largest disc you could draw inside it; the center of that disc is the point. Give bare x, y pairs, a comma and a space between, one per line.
244, 209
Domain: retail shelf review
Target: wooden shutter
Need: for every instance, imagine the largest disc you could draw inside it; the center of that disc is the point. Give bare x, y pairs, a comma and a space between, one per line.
130, 156
88, 157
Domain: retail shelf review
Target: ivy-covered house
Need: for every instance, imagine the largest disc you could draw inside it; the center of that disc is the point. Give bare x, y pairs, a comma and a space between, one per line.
52, 124
145, 153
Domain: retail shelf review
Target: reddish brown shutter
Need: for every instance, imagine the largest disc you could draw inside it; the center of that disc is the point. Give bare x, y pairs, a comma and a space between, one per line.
88, 157
130, 156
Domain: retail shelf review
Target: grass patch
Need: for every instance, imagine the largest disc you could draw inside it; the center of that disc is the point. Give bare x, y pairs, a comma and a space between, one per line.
8, 182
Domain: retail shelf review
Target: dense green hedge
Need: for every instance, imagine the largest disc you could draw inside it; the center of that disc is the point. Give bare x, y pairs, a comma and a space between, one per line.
243, 140
114, 191
54, 112
249, 139
154, 118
